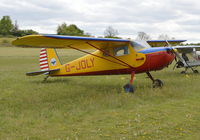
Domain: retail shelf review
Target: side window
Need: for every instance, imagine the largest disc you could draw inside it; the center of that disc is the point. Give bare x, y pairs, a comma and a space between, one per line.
119, 51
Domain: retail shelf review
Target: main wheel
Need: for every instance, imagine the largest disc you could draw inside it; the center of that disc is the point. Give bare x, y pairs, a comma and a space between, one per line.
183, 72
196, 71
128, 88
157, 83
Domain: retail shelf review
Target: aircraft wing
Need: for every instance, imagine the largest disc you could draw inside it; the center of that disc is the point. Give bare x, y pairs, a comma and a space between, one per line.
57, 41
159, 43
186, 49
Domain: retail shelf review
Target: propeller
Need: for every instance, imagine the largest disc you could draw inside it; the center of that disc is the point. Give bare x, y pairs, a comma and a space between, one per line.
177, 59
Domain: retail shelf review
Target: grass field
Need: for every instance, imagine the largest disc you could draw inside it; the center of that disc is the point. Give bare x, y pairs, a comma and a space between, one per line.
95, 107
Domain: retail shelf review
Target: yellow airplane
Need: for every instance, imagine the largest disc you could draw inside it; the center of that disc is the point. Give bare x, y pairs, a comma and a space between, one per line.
111, 56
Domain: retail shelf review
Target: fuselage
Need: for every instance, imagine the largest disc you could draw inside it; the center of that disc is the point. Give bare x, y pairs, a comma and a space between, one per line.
145, 60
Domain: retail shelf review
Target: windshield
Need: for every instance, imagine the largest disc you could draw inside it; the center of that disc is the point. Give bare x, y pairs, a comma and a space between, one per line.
139, 45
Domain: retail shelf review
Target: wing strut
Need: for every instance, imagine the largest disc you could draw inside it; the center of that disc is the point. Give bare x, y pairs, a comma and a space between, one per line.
95, 55
110, 55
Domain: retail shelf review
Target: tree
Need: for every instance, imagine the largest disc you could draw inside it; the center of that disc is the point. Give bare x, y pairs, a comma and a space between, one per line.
6, 26
110, 32
163, 37
26, 32
61, 30
15, 31
71, 30
143, 36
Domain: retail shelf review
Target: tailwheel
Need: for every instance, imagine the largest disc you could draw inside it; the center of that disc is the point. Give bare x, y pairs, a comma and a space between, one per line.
45, 78
157, 83
129, 88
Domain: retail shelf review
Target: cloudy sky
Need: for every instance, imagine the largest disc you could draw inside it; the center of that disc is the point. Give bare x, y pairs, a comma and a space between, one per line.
177, 18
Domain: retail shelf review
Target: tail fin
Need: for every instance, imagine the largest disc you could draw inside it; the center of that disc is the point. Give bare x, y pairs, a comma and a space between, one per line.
49, 59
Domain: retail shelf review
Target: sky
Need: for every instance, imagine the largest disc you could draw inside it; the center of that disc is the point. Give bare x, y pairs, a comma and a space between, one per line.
176, 18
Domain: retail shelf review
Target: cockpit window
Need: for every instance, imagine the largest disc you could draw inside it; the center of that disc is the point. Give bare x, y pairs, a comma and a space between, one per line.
139, 45
119, 51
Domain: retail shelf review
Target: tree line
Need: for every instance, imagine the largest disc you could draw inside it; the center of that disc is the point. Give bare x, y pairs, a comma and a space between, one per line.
7, 28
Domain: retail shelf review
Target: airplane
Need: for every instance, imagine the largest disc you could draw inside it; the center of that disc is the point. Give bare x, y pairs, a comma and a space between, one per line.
110, 56
187, 58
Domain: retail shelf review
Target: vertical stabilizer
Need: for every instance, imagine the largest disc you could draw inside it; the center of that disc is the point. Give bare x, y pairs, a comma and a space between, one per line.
49, 59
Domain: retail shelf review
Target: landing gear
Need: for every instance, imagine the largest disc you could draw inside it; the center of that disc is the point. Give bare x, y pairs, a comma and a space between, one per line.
183, 72
186, 68
193, 70
45, 78
196, 71
157, 83
129, 87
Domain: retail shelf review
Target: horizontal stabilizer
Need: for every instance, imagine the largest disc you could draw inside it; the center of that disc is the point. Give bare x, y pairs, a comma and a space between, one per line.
41, 72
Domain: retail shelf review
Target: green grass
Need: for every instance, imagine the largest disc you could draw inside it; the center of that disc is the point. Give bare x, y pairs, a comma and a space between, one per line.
94, 107
6, 41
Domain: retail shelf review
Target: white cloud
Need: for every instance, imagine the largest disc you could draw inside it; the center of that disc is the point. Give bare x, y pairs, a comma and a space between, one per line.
177, 18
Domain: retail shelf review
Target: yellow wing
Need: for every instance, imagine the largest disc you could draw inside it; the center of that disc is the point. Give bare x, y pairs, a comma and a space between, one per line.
57, 41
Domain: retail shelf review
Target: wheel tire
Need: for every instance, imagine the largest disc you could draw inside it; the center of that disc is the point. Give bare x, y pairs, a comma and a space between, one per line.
196, 71
157, 83
183, 72
128, 88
